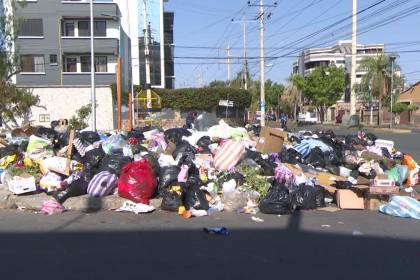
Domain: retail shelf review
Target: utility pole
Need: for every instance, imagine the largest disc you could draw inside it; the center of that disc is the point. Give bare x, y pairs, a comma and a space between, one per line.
92, 70
353, 60
228, 64
261, 18
244, 22
392, 57
147, 56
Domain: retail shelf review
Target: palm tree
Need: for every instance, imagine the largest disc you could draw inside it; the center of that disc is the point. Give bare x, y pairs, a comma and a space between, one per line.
376, 81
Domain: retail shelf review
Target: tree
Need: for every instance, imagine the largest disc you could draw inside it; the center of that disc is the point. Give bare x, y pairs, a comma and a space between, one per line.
375, 84
323, 87
273, 92
15, 102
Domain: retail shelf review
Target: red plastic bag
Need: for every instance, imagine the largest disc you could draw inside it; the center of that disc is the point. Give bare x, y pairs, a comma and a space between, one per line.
137, 182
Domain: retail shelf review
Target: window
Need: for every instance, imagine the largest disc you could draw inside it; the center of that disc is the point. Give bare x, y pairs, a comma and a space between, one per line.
70, 64
100, 28
44, 118
68, 28
53, 59
31, 27
101, 64
32, 63
85, 63
84, 28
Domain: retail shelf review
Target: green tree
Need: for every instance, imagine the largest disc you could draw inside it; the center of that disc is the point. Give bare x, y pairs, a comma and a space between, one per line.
273, 92
323, 87
15, 102
79, 121
376, 83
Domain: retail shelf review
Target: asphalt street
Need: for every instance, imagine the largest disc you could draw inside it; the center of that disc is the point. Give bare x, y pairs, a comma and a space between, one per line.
305, 245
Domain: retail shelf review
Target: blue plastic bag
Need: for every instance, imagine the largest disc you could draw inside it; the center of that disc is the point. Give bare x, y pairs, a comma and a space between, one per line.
402, 206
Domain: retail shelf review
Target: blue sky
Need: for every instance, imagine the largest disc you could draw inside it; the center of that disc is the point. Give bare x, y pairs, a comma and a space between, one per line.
209, 24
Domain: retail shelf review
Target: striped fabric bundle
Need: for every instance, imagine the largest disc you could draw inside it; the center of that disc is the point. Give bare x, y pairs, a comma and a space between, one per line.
78, 144
302, 148
102, 184
402, 206
228, 155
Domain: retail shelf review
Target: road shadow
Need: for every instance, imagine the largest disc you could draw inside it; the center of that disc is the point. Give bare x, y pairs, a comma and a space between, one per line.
192, 254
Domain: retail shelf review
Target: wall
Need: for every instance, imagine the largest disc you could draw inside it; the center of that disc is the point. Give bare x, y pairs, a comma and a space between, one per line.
60, 103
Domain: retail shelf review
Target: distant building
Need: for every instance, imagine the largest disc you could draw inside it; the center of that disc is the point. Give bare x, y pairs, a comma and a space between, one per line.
340, 55
411, 96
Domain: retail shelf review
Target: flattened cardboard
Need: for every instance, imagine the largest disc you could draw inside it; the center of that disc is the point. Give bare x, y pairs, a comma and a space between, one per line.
271, 140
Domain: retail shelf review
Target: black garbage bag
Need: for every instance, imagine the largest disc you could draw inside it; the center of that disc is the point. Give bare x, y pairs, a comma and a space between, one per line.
204, 141
175, 134
354, 140
316, 158
290, 156
342, 185
76, 188
204, 121
46, 133
256, 129
183, 148
89, 137
194, 196
354, 173
114, 163
136, 134
278, 201
304, 197
92, 161
154, 163
168, 176
267, 166
9, 151
370, 136
386, 153
334, 169
62, 140
171, 201
137, 149
319, 196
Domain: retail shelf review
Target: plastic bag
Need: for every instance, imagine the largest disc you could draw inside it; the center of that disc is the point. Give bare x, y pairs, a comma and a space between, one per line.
316, 158
319, 196
284, 175
183, 148
136, 134
46, 133
175, 135
37, 143
409, 161
76, 188
194, 196
89, 137
137, 182
267, 166
172, 199
168, 175
278, 201
114, 144
204, 121
204, 141
304, 197
233, 201
114, 163
290, 156
153, 163
402, 206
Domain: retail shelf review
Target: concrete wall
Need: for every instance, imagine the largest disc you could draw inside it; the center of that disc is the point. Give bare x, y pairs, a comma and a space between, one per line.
57, 103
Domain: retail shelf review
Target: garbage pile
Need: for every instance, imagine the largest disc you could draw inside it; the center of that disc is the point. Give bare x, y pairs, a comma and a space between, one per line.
214, 168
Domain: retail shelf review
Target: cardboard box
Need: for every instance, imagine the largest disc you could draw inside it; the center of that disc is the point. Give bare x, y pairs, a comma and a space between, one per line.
383, 183
384, 190
373, 201
348, 199
271, 140
24, 183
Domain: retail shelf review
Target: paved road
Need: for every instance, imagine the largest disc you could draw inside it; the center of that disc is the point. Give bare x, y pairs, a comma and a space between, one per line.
306, 245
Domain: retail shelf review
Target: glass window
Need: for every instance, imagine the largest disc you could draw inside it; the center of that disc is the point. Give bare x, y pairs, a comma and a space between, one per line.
32, 63
85, 63
70, 64
100, 28
101, 64
68, 28
84, 28
31, 27
53, 59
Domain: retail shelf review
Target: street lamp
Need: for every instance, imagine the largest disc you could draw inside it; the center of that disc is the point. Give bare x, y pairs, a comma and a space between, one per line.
92, 70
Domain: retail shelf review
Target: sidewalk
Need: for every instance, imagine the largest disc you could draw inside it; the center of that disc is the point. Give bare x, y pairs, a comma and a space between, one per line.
83, 203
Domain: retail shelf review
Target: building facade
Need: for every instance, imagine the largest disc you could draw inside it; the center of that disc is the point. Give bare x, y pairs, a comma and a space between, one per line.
53, 43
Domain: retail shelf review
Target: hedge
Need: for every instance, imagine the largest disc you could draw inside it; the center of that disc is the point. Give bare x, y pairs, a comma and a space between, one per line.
199, 98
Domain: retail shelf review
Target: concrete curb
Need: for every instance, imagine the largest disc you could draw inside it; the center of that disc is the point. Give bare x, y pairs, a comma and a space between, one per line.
395, 131
85, 203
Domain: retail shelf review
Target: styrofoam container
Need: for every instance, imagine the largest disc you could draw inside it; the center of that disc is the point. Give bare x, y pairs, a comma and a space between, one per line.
389, 145
20, 185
